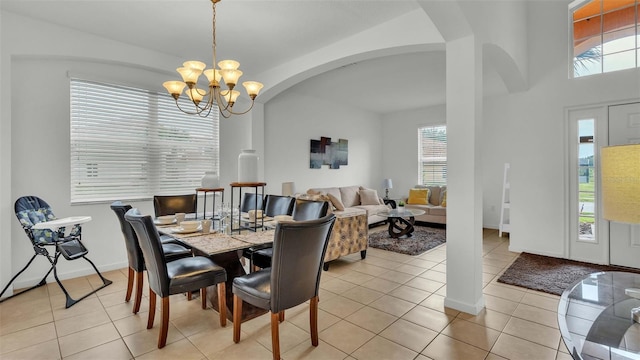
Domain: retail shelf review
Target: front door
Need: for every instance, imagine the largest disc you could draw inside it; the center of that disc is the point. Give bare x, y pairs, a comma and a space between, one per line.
624, 239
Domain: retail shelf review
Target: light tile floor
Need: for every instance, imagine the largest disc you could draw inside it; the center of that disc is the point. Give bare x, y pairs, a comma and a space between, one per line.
388, 306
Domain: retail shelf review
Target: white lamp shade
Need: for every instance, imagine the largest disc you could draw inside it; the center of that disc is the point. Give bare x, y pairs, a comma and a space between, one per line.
387, 184
288, 188
620, 170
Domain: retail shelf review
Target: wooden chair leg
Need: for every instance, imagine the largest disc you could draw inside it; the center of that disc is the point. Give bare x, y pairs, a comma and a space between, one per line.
164, 328
313, 320
130, 277
138, 300
281, 316
189, 296
222, 304
275, 335
237, 318
152, 308
203, 297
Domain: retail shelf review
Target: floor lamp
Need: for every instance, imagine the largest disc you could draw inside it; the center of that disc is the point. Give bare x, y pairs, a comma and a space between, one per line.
620, 170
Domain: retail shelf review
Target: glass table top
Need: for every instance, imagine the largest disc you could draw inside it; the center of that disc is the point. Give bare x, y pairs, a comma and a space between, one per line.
594, 316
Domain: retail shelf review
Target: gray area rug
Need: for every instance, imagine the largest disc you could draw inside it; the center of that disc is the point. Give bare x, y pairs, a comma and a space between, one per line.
423, 239
549, 274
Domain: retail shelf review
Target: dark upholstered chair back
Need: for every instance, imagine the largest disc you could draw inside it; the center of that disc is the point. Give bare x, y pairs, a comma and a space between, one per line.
278, 205
151, 246
310, 210
172, 204
298, 255
249, 202
134, 253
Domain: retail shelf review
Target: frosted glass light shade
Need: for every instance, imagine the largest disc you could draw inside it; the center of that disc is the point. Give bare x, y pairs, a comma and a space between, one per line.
194, 64
228, 65
288, 188
253, 88
210, 75
387, 184
174, 87
620, 170
230, 99
189, 75
195, 94
230, 76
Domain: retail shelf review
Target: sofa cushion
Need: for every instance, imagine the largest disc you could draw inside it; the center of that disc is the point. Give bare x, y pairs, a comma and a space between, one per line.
336, 202
372, 209
350, 196
369, 197
443, 196
436, 192
418, 196
316, 197
438, 211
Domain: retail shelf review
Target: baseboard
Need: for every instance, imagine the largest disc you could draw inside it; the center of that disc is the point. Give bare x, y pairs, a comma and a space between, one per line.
473, 309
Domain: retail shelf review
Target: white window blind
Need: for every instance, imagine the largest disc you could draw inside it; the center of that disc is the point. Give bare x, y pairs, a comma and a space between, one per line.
129, 143
432, 155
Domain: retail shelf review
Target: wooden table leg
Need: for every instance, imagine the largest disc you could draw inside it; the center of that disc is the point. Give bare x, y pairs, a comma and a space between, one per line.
231, 263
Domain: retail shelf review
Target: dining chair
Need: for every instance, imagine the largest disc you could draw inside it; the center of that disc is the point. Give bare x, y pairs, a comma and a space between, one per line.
303, 210
174, 277
251, 201
173, 204
294, 277
172, 251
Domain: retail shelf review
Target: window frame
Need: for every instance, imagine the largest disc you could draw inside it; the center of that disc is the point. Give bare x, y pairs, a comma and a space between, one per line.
422, 162
145, 150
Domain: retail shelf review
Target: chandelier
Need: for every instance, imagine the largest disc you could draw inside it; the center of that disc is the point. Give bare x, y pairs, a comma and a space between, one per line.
203, 100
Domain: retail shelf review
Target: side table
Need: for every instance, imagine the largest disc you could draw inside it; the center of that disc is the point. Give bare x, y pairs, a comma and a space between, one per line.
240, 185
206, 191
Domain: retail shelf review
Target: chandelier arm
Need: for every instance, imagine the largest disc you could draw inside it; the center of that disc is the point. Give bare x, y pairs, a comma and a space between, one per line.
231, 112
222, 104
188, 112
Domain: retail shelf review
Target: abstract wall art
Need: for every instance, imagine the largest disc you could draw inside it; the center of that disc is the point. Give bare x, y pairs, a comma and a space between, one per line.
325, 152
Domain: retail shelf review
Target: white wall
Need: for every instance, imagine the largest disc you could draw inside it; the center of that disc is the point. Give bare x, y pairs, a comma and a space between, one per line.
292, 120
528, 130
36, 58
400, 145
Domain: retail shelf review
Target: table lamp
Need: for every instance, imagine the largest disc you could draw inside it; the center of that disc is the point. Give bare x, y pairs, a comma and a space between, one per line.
387, 184
288, 188
620, 170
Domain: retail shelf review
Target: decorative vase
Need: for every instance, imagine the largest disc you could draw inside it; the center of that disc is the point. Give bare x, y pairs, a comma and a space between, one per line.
210, 180
248, 166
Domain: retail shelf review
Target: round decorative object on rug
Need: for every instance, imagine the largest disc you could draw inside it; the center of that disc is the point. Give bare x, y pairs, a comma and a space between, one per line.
423, 239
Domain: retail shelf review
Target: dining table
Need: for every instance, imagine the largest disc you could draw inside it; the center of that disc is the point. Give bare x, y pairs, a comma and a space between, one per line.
226, 251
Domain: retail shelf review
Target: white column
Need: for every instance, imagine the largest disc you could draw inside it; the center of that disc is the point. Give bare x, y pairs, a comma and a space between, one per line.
464, 176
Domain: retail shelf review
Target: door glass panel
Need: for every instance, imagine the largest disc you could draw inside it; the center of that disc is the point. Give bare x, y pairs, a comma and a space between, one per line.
586, 180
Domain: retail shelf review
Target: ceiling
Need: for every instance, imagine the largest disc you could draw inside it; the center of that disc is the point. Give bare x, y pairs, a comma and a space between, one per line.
262, 34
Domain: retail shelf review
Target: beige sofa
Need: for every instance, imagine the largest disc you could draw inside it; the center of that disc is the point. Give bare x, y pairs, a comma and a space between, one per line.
353, 197
434, 211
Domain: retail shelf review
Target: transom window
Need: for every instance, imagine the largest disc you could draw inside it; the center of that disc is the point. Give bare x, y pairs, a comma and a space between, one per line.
129, 143
432, 155
606, 35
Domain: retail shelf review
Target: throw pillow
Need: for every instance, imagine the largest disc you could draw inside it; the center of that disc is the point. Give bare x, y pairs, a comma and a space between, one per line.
336, 202
418, 196
443, 203
369, 197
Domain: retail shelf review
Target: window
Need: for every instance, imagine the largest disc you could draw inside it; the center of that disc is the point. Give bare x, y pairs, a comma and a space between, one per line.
586, 179
432, 155
129, 143
606, 35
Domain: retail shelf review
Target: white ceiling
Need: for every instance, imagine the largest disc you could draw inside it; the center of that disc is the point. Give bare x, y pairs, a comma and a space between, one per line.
262, 34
